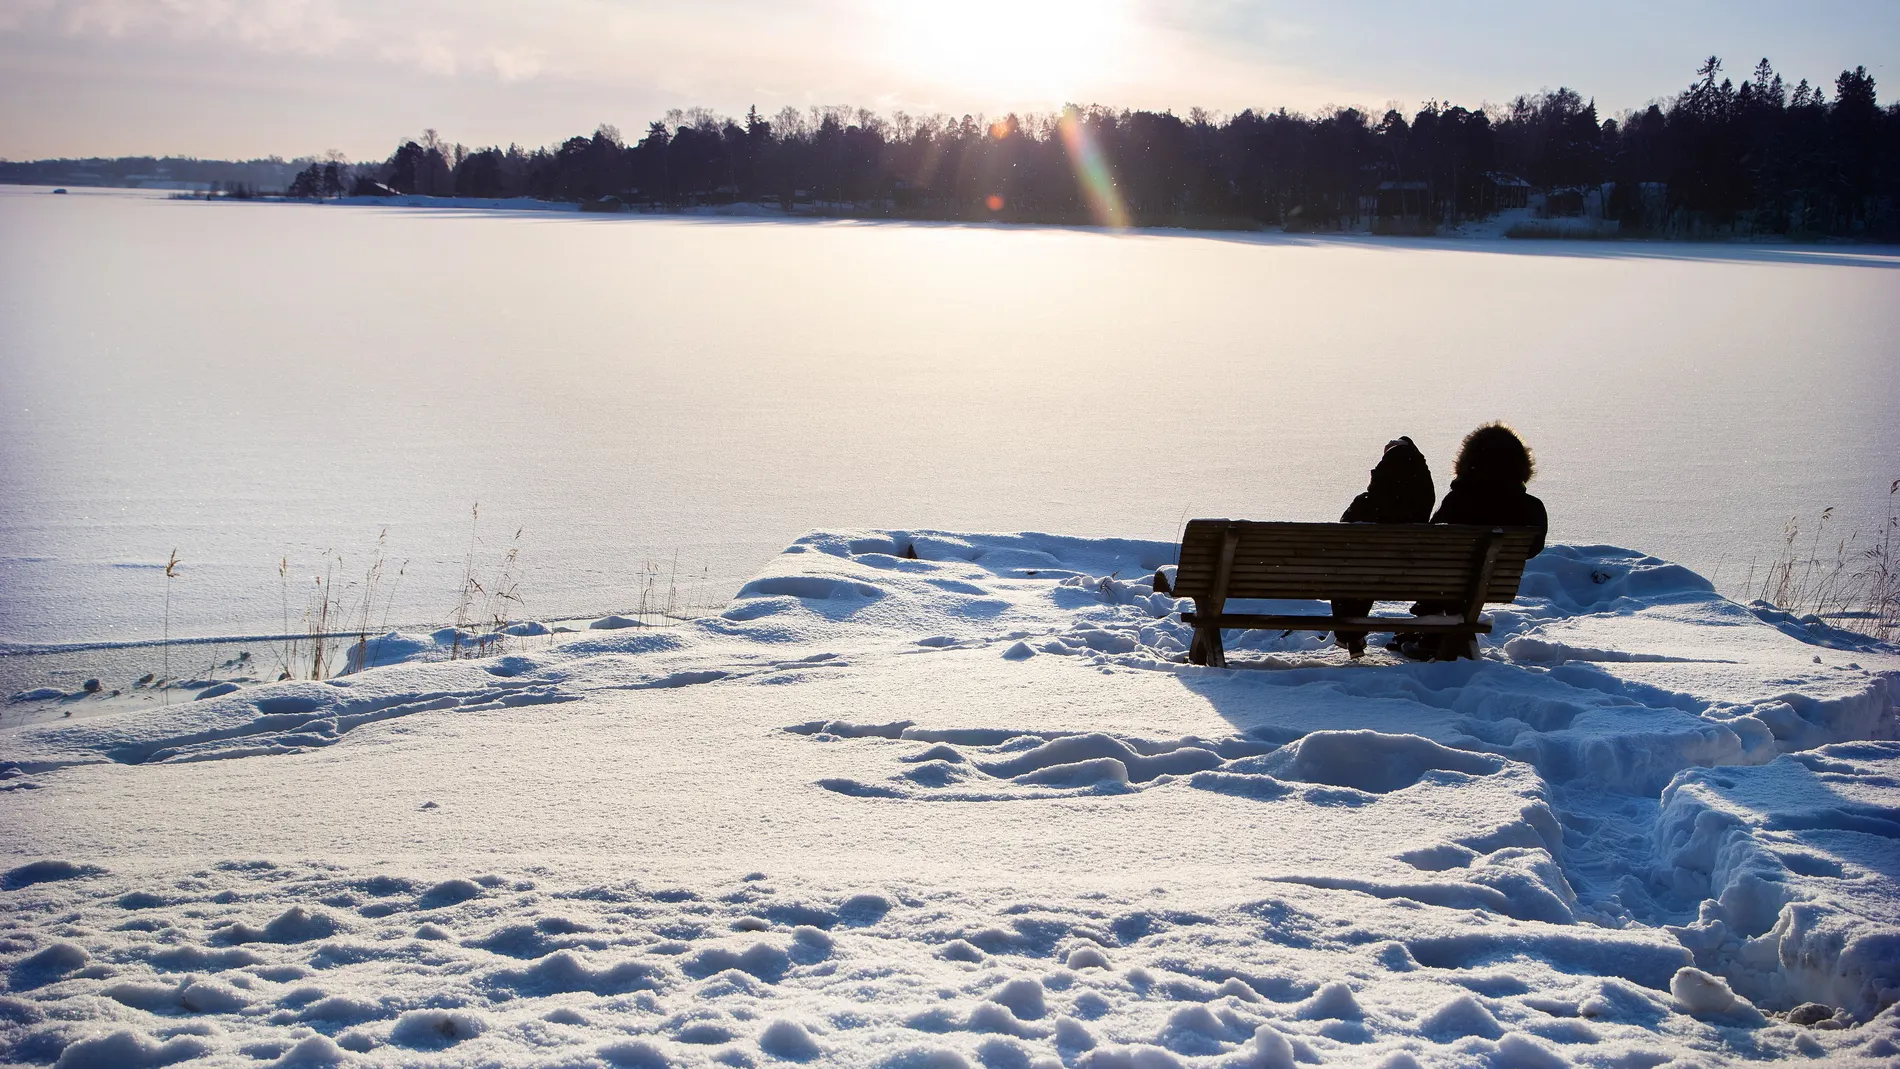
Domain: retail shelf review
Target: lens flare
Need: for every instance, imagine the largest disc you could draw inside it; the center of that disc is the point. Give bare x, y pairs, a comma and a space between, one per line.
995, 202
1091, 172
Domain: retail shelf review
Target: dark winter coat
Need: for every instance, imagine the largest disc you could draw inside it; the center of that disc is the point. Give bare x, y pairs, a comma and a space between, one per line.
1497, 502
1401, 490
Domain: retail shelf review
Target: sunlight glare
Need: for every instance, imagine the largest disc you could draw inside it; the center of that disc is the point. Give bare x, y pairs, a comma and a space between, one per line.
1041, 50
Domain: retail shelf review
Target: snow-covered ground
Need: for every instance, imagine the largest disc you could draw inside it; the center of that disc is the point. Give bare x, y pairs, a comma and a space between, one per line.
972, 809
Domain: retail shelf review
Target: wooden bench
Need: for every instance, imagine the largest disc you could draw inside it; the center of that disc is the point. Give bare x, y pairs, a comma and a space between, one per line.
1454, 565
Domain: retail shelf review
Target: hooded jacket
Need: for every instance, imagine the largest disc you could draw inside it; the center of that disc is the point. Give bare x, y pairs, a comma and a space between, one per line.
1501, 502
1401, 490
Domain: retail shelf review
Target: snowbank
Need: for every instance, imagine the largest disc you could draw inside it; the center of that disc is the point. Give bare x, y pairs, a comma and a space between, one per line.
1798, 866
923, 798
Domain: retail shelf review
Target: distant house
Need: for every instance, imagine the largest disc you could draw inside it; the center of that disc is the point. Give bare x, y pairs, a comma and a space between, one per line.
1403, 200
1502, 190
1566, 202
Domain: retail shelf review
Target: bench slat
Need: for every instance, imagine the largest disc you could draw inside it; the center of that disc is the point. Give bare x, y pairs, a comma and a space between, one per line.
1408, 535
1397, 547
1395, 624
1462, 570
1461, 577
1446, 592
1256, 534
1433, 546
1266, 530
1241, 582
1361, 561
1418, 538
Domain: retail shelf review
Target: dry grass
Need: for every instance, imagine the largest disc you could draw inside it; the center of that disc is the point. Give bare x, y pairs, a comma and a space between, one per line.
486, 608
171, 573
657, 607
1851, 581
665, 597
320, 608
334, 611
370, 594
330, 627
339, 614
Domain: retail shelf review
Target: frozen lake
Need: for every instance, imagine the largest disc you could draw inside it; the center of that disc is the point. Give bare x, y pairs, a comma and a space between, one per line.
248, 383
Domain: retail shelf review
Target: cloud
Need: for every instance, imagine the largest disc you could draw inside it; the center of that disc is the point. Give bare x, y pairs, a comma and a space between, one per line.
513, 65
306, 26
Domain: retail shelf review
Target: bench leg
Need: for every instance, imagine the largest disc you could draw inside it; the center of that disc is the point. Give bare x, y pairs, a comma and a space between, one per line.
1466, 645
1213, 650
1198, 650
1452, 647
1207, 648
1207, 642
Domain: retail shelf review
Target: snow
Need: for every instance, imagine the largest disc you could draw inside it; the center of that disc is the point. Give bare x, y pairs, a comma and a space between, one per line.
1703, 995
973, 809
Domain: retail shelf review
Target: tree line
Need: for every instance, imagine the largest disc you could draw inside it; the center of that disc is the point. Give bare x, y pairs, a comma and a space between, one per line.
1718, 157
1755, 157
162, 172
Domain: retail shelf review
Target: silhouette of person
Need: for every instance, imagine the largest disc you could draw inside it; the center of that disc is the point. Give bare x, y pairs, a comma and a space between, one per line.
1487, 488
1401, 491
1487, 485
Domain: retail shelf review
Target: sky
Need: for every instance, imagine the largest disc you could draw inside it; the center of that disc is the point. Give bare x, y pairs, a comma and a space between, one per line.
250, 78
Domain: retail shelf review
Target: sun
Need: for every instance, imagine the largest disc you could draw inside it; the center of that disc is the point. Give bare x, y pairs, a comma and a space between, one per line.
1020, 50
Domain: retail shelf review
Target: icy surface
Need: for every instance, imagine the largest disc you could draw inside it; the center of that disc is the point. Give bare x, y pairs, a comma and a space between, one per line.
972, 809
248, 383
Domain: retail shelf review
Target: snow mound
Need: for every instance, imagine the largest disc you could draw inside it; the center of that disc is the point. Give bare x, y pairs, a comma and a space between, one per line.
1705, 995
127, 1049
46, 965
431, 1029
44, 872
314, 1052
1797, 867
294, 925
789, 1040
1370, 761
564, 971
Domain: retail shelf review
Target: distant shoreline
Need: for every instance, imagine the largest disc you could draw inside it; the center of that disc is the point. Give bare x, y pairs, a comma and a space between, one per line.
1494, 229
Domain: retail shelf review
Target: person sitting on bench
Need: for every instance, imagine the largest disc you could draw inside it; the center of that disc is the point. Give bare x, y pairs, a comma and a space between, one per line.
1487, 487
1401, 491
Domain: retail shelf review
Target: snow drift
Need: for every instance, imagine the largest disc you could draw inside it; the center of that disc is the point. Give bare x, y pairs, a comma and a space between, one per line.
923, 798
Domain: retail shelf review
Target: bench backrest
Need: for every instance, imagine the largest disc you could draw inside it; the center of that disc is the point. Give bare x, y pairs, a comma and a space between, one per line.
1380, 561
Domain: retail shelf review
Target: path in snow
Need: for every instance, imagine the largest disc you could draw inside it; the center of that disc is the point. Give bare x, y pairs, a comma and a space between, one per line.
972, 809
